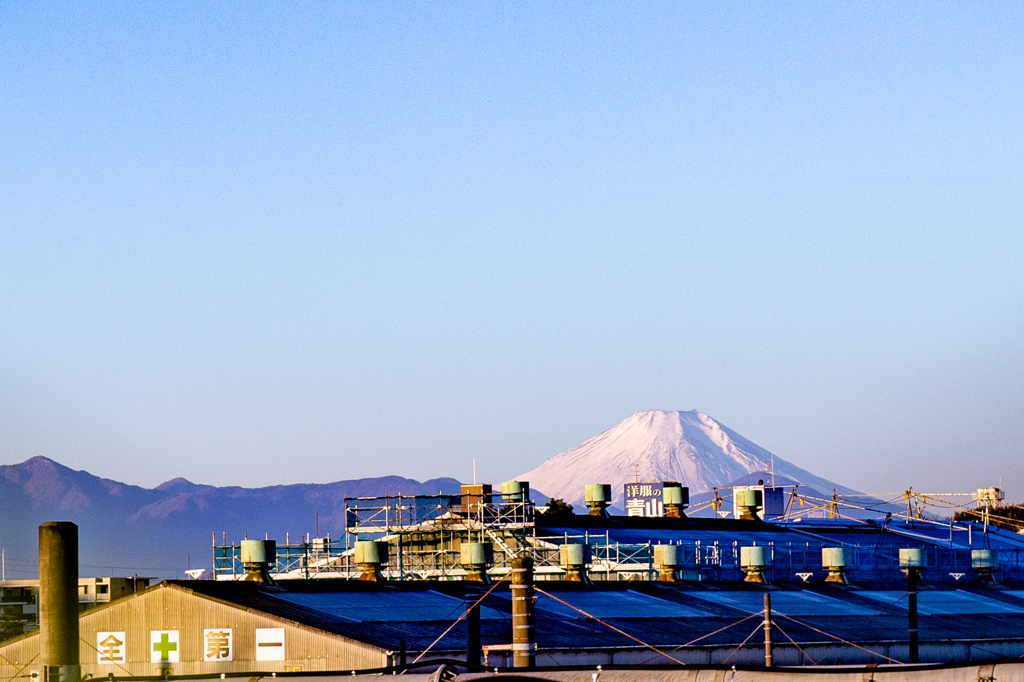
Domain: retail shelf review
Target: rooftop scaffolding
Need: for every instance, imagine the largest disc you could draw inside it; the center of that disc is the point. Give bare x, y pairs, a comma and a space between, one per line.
425, 533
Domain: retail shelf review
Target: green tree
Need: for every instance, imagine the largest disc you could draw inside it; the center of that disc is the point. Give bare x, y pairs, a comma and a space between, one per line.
557, 510
1008, 516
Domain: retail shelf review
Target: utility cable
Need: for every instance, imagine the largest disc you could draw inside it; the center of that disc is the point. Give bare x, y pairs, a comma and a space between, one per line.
609, 625
798, 647
721, 629
838, 638
450, 627
23, 668
740, 645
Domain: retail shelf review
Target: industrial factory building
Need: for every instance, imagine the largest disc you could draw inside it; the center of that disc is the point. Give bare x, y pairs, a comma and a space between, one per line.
196, 627
468, 577
432, 537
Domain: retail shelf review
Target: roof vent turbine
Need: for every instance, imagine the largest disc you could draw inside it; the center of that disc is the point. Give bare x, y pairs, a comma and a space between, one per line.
257, 557
475, 557
835, 561
573, 558
746, 504
369, 556
598, 496
666, 562
675, 499
754, 561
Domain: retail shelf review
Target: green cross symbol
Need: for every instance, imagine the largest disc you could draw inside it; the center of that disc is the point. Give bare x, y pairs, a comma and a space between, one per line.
165, 646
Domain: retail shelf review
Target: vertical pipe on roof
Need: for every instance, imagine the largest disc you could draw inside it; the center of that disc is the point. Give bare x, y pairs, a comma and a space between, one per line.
912, 612
767, 630
523, 649
58, 601
472, 628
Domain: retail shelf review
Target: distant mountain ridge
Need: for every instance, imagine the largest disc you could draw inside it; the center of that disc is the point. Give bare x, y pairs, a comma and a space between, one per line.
689, 447
160, 531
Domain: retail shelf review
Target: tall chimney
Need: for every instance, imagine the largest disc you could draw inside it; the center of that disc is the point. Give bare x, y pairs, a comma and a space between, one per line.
58, 601
524, 652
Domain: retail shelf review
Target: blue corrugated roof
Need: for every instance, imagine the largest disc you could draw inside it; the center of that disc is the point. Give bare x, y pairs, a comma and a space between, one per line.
789, 603
658, 614
361, 607
939, 602
628, 604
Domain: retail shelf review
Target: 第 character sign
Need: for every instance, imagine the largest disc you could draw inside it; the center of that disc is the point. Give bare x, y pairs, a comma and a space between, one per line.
218, 645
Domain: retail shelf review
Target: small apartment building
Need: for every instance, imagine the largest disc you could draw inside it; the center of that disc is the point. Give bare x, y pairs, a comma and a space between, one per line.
19, 599
93, 591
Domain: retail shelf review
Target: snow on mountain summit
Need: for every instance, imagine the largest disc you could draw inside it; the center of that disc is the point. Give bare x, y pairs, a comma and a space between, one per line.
688, 447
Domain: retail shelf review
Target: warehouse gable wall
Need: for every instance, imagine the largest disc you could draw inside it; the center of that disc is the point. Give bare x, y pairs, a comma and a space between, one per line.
171, 607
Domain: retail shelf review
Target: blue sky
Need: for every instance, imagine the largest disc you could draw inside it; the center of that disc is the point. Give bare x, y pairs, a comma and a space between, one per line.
262, 243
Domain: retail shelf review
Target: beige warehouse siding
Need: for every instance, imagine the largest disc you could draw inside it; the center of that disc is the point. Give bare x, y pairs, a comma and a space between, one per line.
170, 607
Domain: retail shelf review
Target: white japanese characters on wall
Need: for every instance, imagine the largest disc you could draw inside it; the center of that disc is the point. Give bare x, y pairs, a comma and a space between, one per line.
644, 499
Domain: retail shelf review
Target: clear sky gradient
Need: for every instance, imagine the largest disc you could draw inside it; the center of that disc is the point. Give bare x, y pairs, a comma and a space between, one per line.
260, 243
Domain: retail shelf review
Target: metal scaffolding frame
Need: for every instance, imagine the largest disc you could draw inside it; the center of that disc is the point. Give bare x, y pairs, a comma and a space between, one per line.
426, 531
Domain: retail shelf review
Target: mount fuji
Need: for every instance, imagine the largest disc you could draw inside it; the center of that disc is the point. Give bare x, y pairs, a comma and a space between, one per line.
688, 447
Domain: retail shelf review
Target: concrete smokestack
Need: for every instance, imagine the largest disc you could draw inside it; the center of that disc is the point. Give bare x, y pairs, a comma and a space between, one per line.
58, 601
523, 649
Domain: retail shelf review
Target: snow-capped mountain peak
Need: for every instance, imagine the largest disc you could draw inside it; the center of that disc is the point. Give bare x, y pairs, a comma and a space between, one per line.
689, 447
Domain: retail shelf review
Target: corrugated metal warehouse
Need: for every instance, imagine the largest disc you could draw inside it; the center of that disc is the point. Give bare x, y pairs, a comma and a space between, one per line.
621, 591
194, 627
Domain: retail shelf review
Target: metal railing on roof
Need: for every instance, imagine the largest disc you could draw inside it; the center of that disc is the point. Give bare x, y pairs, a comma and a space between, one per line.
387, 514
718, 561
